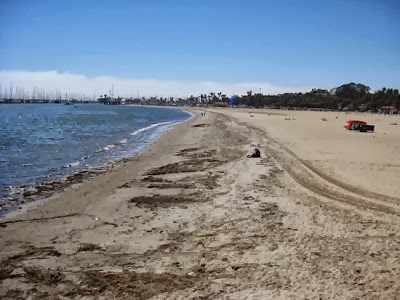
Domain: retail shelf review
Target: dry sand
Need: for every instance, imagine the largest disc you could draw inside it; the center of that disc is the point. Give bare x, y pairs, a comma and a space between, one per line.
192, 218
370, 161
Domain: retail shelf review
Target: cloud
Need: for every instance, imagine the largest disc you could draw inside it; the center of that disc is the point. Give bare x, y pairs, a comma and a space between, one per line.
52, 81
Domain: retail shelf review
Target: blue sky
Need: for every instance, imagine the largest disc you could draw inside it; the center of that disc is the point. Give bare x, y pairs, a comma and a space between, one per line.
293, 44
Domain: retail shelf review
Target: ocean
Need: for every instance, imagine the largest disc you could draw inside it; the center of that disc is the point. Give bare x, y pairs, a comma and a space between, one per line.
48, 143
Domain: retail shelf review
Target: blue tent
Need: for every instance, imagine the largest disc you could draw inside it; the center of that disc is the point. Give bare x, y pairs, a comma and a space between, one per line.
232, 100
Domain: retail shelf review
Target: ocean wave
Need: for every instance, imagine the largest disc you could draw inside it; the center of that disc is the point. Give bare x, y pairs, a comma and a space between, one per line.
150, 127
105, 148
74, 164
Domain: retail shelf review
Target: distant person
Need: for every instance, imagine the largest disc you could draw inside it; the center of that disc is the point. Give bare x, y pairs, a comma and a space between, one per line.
256, 153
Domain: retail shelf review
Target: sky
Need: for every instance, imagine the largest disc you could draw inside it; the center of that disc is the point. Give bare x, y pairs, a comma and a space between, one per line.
189, 47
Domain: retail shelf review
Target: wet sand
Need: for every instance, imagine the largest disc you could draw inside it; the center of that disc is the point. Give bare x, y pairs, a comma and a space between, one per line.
191, 217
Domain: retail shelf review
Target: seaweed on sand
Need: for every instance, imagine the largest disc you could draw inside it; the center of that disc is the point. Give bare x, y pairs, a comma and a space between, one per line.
192, 165
165, 200
131, 284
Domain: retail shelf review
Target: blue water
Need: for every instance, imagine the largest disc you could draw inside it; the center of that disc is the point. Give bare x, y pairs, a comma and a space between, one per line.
45, 142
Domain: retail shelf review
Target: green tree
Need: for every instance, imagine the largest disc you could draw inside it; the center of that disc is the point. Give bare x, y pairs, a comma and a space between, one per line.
352, 90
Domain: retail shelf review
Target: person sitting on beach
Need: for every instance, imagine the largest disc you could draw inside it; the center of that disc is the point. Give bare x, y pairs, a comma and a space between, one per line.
256, 153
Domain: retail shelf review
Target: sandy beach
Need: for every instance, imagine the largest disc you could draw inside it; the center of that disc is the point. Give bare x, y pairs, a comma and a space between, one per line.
368, 161
190, 217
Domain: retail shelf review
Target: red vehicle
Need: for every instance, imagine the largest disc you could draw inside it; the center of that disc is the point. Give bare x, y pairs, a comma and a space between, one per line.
359, 125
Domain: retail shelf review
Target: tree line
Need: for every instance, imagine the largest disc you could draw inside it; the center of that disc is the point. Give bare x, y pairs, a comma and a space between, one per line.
352, 96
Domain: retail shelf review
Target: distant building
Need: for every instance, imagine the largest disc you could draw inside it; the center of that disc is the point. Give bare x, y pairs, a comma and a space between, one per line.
133, 101
349, 107
388, 110
221, 104
362, 107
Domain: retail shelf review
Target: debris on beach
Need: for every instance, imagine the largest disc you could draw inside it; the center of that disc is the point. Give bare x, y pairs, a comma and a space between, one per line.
24, 194
192, 165
174, 185
37, 252
154, 179
125, 185
88, 247
209, 181
40, 275
200, 125
9, 264
185, 151
198, 154
166, 200
6, 268
128, 284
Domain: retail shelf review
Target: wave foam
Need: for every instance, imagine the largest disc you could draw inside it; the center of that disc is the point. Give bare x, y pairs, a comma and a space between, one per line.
74, 164
150, 127
105, 148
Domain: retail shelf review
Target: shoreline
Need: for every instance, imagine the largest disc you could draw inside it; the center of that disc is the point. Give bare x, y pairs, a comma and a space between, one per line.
40, 191
192, 217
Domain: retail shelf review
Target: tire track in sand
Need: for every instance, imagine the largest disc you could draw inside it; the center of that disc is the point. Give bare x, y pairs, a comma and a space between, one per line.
316, 181
305, 174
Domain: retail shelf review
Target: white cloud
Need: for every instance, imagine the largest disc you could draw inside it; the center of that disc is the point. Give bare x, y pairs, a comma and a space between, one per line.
51, 81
